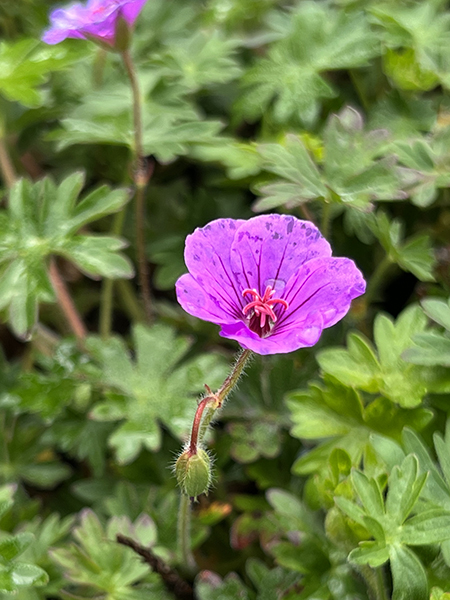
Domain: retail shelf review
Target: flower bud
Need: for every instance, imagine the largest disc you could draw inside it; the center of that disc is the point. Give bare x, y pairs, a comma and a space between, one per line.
193, 472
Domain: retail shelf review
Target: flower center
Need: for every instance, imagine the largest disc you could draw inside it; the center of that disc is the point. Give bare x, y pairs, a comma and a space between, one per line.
259, 311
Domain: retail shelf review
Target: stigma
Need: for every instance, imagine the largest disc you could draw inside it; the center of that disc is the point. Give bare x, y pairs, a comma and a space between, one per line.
260, 312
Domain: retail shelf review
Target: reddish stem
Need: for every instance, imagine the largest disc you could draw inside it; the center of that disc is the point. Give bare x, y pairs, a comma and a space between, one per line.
66, 303
196, 424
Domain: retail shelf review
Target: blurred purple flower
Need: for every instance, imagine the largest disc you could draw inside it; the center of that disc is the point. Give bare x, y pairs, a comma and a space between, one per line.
269, 282
96, 18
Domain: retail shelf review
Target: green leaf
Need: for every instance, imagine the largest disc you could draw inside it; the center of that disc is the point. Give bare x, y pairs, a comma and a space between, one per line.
351, 170
437, 489
432, 347
289, 82
254, 439
13, 546
42, 220
271, 582
438, 310
336, 412
387, 373
98, 256
414, 254
369, 494
404, 488
429, 527
209, 586
408, 574
26, 64
155, 379
373, 554
294, 164
201, 60
100, 565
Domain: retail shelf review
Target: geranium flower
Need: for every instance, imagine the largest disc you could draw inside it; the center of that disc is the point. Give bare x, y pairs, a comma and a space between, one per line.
269, 282
95, 19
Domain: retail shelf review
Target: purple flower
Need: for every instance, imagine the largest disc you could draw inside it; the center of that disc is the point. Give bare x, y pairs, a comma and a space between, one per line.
269, 282
96, 18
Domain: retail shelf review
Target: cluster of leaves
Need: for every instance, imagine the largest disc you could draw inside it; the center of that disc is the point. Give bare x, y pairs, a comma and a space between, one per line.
332, 469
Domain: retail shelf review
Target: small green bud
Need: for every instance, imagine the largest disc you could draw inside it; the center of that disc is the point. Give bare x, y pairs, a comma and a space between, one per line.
193, 472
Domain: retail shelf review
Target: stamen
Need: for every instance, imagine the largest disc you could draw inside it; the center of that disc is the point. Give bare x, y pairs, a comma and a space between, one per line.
260, 310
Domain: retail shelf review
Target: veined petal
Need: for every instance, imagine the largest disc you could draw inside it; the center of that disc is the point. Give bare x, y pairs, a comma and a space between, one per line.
324, 285
207, 257
305, 335
199, 303
268, 250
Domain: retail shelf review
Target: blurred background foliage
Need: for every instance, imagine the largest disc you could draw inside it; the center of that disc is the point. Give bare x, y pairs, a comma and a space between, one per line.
332, 468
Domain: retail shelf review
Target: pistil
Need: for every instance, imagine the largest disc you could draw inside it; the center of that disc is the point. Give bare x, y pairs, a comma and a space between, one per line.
260, 311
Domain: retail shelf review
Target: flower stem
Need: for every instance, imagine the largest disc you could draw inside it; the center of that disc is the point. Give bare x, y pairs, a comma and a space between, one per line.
106, 300
235, 374
66, 303
206, 410
141, 178
208, 406
184, 534
377, 278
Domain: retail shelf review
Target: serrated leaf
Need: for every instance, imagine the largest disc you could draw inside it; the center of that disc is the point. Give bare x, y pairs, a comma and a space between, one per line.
42, 220
337, 412
373, 554
26, 64
415, 254
289, 82
155, 379
388, 373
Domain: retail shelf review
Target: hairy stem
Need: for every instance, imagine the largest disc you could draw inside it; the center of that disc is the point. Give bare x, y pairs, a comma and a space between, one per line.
209, 405
141, 178
235, 374
199, 419
66, 303
206, 410
184, 534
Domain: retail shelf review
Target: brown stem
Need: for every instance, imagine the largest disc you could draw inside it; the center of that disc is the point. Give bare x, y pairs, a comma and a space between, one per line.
66, 303
306, 213
6, 166
173, 582
141, 177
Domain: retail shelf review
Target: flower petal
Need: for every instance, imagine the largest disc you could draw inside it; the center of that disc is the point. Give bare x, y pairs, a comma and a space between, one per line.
324, 285
305, 335
130, 10
207, 257
198, 303
268, 250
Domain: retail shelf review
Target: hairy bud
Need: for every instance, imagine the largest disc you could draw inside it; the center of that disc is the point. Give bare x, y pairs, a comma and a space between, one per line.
193, 472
